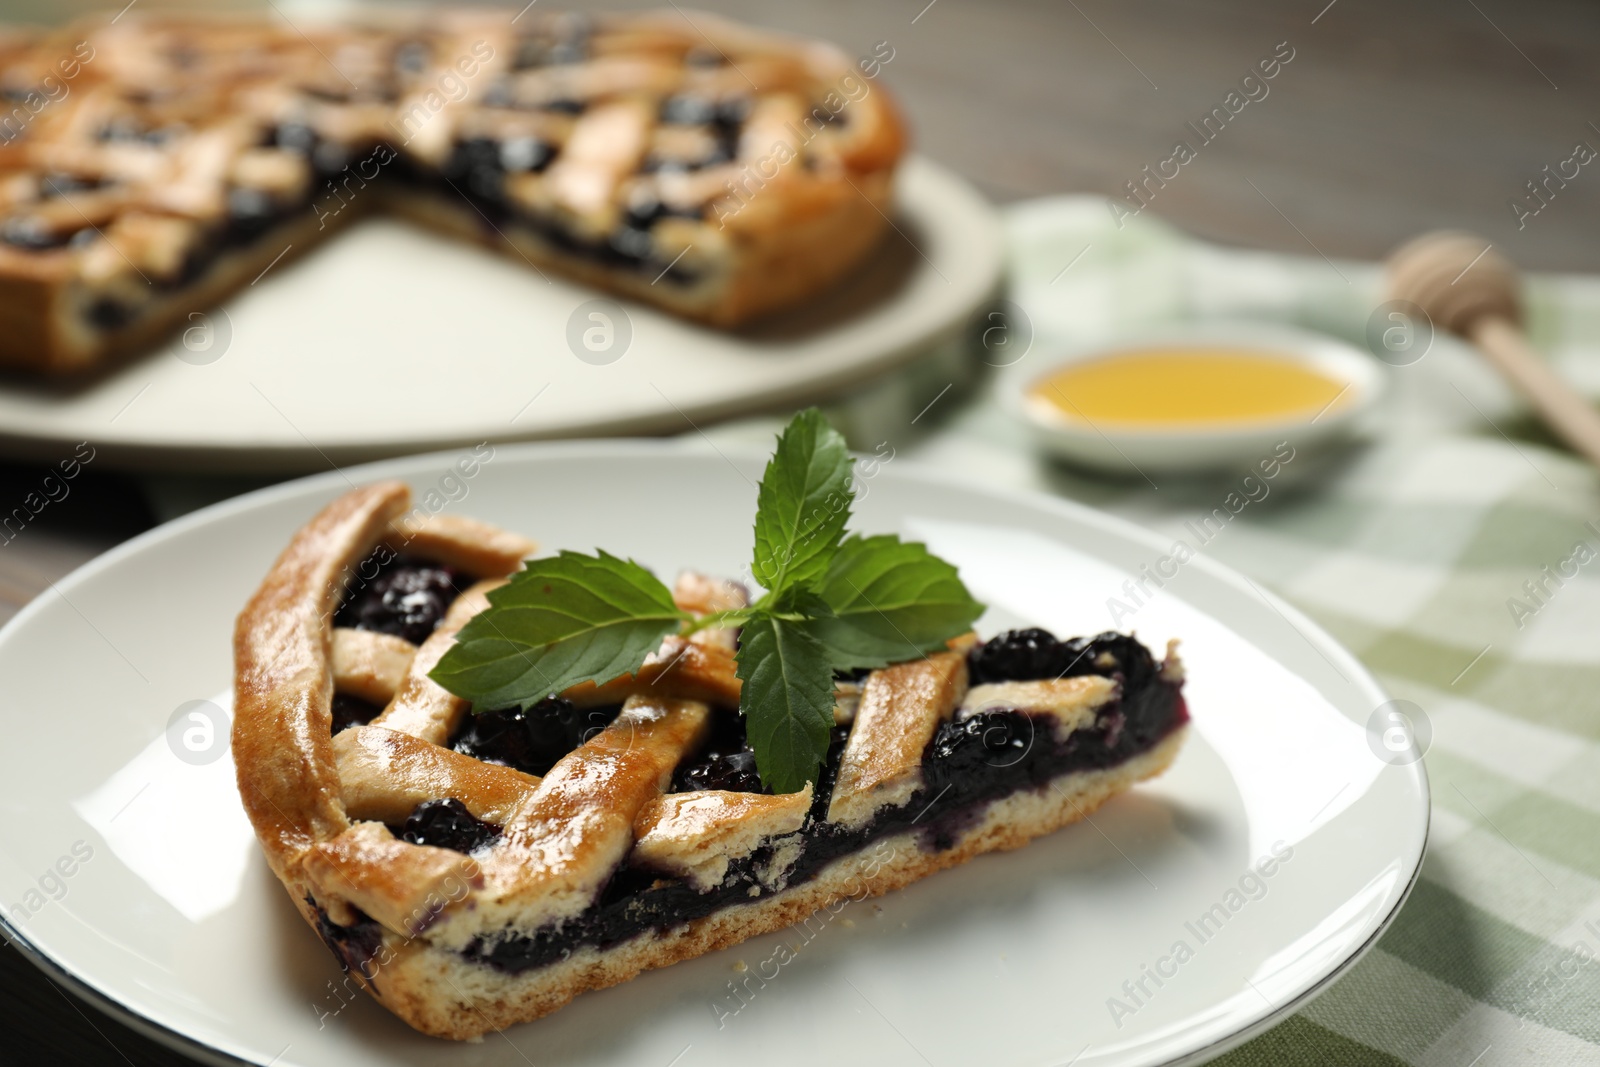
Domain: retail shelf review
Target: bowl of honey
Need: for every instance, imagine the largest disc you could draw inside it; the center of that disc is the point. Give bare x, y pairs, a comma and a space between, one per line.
1194, 396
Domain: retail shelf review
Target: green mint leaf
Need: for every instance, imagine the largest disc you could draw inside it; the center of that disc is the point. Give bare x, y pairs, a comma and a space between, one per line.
888, 600
786, 699
803, 503
561, 621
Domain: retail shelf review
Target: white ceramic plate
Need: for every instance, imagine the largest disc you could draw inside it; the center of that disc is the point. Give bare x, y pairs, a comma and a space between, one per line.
390, 340
1011, 960
1128, 450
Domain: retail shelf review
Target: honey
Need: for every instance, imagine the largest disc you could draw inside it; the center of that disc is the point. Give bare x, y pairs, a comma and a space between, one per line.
1178, 387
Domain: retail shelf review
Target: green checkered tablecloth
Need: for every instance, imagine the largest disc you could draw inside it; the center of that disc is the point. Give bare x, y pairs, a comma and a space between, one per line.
1408, 552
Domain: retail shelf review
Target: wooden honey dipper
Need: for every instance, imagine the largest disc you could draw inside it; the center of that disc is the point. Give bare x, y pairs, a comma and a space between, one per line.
1472, 291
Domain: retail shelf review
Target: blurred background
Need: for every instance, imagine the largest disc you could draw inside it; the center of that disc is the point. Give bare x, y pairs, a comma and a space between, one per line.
1393, 119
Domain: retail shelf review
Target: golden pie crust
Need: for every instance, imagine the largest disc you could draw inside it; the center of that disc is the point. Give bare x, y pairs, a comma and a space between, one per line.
322, 804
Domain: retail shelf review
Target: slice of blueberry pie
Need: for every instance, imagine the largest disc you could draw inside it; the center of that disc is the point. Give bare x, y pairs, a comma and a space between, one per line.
151, 165
479, 838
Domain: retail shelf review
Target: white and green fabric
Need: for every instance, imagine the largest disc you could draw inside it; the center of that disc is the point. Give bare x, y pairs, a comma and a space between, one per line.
1415, 553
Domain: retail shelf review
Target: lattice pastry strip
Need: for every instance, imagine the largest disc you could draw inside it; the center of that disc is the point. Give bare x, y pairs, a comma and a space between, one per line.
562, 834
899, 711
370, 665
422, 707
697, 834
384, 775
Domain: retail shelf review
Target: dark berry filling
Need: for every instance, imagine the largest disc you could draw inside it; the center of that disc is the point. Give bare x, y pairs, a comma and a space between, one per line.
475, 165
734, 772
994, 738
108, 314
354, 946
1030, 655
531, 740
25, 231
447, 824
351, 711
405, 597
727, 761
822, 792
477, 169
251, 212
967, 766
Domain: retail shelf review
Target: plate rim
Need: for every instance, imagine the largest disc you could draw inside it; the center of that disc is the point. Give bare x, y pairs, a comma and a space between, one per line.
203, 1053
405, 467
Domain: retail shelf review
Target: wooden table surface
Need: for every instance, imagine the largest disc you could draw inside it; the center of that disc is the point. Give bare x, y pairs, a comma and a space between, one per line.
1389, 119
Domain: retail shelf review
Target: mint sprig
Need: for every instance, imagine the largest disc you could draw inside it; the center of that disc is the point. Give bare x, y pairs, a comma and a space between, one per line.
830, 605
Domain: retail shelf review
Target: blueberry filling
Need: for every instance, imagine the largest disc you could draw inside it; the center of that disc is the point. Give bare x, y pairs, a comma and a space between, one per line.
24, 231
476, 169
251, 212
475, 165
479, 165
1029, 655
351, 711
731, 771
531, 740
447, 824
727, 761
354, 946
822, 792
107, 314
406, 597
967, 766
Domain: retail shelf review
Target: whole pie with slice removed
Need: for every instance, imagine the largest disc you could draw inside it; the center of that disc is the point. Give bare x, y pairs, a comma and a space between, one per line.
151, 165
477, 867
